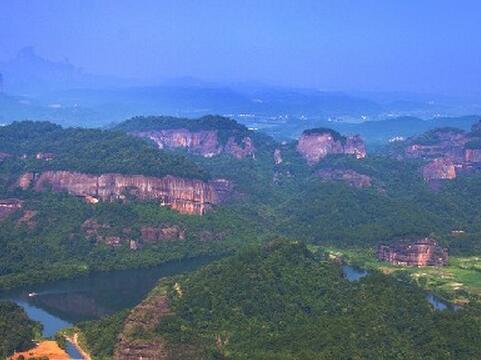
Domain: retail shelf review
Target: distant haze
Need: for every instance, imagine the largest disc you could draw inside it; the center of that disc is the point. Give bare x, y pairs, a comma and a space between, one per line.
428, 46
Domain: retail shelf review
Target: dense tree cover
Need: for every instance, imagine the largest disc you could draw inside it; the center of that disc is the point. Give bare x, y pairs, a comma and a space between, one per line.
87, 150
225, 127
16, 330
282, 302
99, 337
333, 133
55, 246
286, 199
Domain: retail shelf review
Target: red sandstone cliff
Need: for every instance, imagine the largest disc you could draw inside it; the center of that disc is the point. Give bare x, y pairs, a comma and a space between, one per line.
203, 142
448, 151
186, 196
424, 252
315, 145
439, 169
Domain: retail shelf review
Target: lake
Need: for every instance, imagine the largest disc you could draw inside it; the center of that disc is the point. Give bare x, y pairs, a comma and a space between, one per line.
60, 304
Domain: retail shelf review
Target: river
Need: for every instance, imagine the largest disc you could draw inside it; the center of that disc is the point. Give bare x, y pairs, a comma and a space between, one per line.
60, 304
354, 274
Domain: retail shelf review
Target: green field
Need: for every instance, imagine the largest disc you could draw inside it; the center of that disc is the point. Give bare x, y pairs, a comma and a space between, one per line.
458, 282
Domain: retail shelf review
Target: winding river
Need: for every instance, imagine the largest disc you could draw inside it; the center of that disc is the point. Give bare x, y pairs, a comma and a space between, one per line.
60, 304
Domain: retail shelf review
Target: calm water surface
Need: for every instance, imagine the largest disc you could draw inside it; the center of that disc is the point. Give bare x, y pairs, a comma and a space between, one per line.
352, 273
60, 304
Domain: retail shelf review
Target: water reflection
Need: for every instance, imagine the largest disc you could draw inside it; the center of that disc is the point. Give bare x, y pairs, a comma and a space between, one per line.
353, 274
59, 304
440, 304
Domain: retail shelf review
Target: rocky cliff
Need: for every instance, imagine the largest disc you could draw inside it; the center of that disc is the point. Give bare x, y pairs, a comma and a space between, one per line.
207, 136
448, 152
186, 196
205, 143
422, 252
348, 176
315, 144
439, 169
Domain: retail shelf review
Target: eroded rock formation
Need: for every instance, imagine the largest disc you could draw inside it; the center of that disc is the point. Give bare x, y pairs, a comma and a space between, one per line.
106, 234
439, 169
277, 157
448, 152
203, 142
316, 144
422, 252
348, 176
144, 318
185, 195
161, 233
9, 206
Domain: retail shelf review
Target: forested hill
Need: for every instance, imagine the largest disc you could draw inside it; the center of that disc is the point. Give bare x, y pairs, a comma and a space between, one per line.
209, 122
283, 302
16, 329
88, 150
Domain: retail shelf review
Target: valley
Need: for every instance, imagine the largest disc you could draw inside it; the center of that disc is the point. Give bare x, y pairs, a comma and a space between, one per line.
152, 192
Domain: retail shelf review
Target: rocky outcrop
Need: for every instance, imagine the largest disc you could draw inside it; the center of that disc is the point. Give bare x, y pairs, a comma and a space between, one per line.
277, 157
138, 339
422, 252
348, 176
142, 319
9, 206
184, 195
449, 152
316, 144
161, 233
206, 143
444, 142
439, 169
472, 155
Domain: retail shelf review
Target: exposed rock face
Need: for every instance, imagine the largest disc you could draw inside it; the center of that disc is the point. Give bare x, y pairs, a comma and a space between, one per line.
277, 157
9, 206
28, 219
423, 252
161, 233
144, 317
472, 155
439, 169
203, 142
186, 196
449, 152
350, 177
316, 144
437, 143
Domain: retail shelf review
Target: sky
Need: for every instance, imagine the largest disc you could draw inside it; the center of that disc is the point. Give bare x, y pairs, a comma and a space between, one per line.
363, 45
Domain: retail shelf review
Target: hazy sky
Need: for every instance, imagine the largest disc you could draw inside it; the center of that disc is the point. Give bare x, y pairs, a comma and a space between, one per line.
417, 45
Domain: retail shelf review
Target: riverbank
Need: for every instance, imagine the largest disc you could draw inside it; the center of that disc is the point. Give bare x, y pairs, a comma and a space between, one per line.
459, 282
74, 340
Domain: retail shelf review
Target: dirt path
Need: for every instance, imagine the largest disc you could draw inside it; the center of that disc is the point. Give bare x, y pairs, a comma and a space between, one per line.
74, 341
